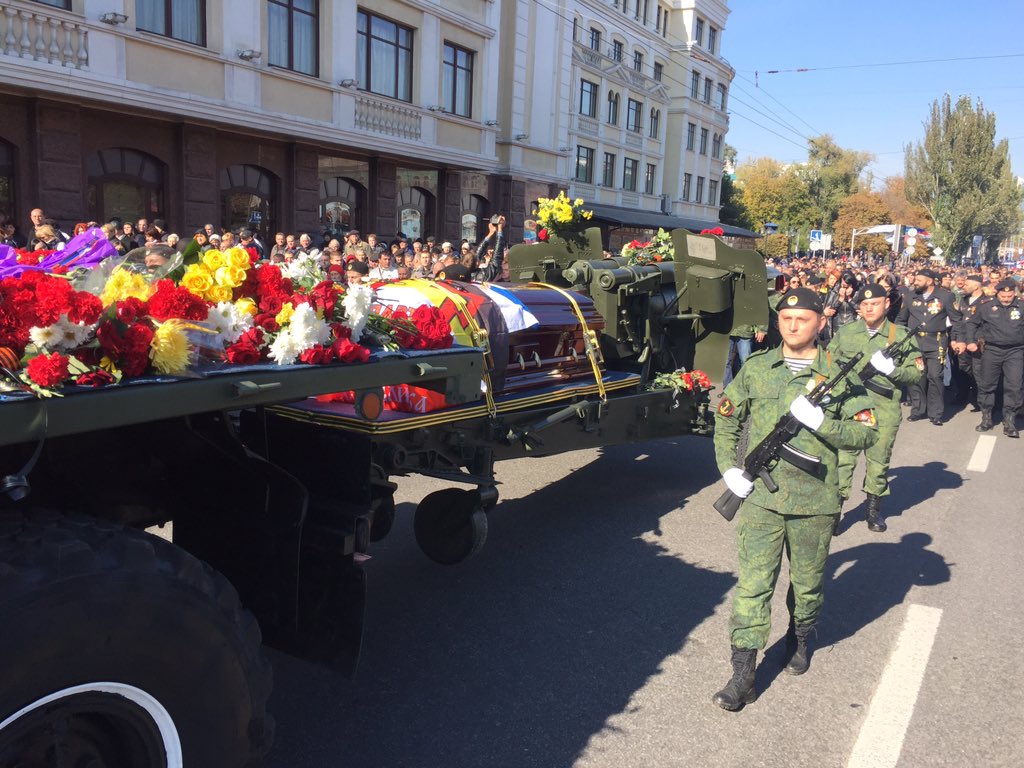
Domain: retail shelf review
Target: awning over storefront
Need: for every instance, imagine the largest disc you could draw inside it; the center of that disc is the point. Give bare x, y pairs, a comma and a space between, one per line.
634, 217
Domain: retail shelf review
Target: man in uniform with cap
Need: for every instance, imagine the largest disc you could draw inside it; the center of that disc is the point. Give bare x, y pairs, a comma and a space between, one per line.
969, 363
798, 517
930, 314
997, 328
882, 376
356, 271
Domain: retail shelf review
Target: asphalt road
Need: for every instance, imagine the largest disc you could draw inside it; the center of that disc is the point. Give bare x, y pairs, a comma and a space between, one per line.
592, 629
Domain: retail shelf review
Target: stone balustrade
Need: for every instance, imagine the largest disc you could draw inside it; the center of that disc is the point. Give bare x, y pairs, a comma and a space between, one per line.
388, 118
38, 34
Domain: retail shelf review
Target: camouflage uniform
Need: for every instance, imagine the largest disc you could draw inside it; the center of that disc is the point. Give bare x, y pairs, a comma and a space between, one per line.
848, 341
800, 515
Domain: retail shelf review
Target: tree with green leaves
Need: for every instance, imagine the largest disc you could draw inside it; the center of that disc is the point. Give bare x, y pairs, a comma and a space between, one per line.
962, 177
831, 174
773, 192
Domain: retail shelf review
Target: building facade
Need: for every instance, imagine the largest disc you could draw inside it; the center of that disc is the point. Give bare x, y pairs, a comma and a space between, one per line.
418, 116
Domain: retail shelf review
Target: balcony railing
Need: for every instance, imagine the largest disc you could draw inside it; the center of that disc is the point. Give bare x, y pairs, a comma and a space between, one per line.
388, 118
41, 36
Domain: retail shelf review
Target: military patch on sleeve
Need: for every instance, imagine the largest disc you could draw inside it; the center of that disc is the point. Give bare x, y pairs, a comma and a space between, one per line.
726, 408
919, 363
867, 416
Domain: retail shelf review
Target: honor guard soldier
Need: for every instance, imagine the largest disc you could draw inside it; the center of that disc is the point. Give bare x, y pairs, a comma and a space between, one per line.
930, 313
882, 377
969, 362
996, 328
798, 517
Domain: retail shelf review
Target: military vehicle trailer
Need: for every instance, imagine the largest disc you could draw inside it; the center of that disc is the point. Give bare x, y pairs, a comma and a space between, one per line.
123, 649
120, 649
657, 318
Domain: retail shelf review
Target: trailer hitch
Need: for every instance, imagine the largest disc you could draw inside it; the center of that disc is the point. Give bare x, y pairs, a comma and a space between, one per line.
588, 411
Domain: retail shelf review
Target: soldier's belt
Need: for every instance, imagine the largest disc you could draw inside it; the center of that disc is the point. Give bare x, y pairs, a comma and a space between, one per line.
937, 334
878, 389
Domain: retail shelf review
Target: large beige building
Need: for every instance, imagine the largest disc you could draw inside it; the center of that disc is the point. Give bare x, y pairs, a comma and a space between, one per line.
307, 115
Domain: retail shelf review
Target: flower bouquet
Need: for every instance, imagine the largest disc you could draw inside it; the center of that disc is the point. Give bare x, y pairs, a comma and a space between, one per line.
109, 322
654, 251
695, 384
562, 218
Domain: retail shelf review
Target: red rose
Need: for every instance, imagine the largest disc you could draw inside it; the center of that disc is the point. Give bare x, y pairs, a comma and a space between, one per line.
271, 303
95, 379
542, 234
267, 322
241, 353
318, 354
349, 352
48, 370
135, 351
131, 309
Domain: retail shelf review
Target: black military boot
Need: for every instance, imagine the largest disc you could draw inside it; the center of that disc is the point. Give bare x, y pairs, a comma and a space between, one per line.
874, 517
986, 422
740, 689
1010, 425
797, 648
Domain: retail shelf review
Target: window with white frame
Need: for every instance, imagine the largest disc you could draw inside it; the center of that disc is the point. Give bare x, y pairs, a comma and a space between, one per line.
698, 32
183, 20
634, 118
588, 98
608, 174
613, 108
655, 124
457, 84
691, 135
649, 177
703, 141
384, 56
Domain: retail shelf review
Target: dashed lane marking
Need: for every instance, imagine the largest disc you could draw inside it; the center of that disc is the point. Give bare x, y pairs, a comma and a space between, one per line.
982, 454
881, 736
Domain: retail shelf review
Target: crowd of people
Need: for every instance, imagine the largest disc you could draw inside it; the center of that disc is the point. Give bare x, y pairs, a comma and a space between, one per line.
344, 259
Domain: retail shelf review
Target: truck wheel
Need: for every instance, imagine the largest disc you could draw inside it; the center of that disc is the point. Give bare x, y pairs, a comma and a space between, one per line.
383, 517
450, 526
120, 650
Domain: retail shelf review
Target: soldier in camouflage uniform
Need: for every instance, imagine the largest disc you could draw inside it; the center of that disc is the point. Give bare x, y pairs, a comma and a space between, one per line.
870, 335
799, 516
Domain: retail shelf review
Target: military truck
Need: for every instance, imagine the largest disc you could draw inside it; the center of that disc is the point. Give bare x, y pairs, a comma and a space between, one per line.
120, 648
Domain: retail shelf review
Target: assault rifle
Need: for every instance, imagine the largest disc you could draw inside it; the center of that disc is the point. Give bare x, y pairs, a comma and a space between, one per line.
868, 372
776, 446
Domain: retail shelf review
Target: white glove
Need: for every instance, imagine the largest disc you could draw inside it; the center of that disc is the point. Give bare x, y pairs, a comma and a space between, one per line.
884, 365
811, 416
737, 483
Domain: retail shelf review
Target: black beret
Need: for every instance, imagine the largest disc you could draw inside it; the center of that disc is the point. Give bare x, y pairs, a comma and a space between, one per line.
871, 291
815, 280
454, 272
1006, 284
355, 265
927, 273
801, 298
975, 278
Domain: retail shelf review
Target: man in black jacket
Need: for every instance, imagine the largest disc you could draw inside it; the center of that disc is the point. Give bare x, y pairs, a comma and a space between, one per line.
1000, 323
930, 313
491, 270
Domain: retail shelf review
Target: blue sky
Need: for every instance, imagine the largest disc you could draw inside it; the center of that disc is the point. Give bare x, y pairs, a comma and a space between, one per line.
873, 108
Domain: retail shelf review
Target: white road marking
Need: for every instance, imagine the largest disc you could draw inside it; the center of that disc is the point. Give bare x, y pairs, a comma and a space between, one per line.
881, 736
982, 454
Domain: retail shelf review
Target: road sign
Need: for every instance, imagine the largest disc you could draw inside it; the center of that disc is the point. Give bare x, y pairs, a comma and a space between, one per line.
815, 235
910, 250
911, 240
911, 231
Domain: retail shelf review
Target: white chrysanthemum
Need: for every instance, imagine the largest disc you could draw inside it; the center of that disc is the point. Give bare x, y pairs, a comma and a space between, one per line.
285, 350
228, 322
45, 337
72, 335
356, 302
306, 328
303, 267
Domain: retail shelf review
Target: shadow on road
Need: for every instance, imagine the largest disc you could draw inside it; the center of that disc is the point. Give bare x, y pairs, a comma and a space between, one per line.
517, 657
908, 487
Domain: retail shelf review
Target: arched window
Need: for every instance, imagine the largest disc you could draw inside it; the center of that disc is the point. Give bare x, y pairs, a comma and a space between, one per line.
248, 197
655, 122
6, 179
125, 184
474, 208
613, 108
341, 201
415, 211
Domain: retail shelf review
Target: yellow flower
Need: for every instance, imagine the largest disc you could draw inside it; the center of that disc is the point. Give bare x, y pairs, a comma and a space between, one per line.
109, 366
287, 310
247, 306
237, 257
169, 349
578, 202
213, 260
123, 284
197, 279
219, 293
229, 276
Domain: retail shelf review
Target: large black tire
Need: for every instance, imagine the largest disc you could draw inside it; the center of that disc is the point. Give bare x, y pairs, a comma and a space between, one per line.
383, 517
125, 644
450, 525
